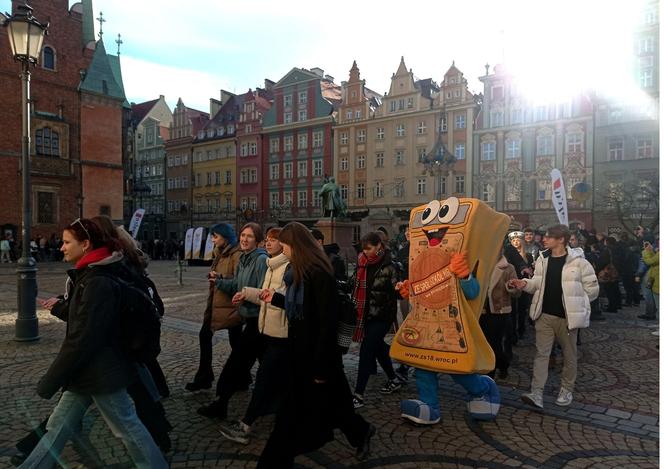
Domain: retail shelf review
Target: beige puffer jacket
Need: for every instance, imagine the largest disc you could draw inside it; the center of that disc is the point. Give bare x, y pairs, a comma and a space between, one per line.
272, 321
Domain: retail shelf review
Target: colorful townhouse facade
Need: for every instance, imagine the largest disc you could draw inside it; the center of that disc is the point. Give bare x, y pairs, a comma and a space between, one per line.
214, 164
519, 141
297, 145
186, 123
383, 142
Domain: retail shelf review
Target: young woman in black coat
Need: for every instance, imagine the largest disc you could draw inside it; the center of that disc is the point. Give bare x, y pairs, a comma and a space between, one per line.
319, 396
375, 299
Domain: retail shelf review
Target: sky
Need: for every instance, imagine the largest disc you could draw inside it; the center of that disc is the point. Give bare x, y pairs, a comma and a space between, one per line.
193, 49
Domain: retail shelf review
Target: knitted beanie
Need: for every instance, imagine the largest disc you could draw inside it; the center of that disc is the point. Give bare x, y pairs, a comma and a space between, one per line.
226, 231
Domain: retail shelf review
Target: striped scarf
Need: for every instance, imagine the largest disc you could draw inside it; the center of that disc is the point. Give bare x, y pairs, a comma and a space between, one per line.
360, 292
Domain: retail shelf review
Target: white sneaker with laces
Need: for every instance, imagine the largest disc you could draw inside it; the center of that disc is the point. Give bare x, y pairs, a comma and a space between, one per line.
564, 397
534, 399
236, 431
357, 401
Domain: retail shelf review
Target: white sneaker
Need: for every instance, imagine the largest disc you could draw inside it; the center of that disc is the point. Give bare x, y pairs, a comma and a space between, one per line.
534, 399
564, 397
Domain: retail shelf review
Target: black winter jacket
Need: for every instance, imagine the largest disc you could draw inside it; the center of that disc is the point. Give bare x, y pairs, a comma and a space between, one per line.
90, 360
381, 295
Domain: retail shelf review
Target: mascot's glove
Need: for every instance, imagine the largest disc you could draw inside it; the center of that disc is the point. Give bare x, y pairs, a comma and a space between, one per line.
404, 289
459, 265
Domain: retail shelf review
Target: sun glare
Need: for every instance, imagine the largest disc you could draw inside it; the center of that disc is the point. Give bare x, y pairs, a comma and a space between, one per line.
571, 47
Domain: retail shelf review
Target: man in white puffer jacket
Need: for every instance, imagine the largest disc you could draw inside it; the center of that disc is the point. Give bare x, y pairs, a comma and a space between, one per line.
563, 286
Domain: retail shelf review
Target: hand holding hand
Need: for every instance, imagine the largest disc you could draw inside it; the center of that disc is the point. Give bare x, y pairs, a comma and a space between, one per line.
238, 298
403, 288
266, 295
516, 283
459, 264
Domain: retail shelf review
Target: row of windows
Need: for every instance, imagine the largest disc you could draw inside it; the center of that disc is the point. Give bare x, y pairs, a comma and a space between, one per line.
399, 158
398, 188
149, 170
219, 131
212, 205
249, 149
215, 154
400, 130
545, 146
178, 183
248, 175
276, 199
514, 192
301, 116
302, 169
213, 178
644, 149
301, 99
47, 142
177, 205
540, 113
177, 160
302, 142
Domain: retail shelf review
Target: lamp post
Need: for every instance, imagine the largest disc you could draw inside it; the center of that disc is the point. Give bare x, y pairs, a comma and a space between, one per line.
438, 161
26, 36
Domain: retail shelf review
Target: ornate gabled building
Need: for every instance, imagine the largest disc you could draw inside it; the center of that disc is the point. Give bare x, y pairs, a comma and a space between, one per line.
151, 123
214, 153
250, 152
382, 143
186, 123
77, 133
518, 141
297, 144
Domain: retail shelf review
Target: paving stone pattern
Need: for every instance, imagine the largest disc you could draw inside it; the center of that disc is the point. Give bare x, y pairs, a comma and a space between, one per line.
612, 423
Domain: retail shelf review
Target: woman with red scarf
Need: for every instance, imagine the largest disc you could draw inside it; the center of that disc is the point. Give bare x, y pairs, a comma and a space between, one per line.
375, 299
91, 366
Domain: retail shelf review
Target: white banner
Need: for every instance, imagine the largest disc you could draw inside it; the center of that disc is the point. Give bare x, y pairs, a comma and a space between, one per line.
558, 196
135, 222
209, 247
188, 237
198, 239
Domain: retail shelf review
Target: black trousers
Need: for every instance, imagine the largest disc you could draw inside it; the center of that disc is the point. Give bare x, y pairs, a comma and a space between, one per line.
612, 292
233, 376
496, 328
205, 374
306, 422
270, 389
632, 295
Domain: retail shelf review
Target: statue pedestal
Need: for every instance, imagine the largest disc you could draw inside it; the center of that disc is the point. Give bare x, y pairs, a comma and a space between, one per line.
340, 232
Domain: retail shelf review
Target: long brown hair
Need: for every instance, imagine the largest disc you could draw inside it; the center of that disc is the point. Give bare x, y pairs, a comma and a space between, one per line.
128, 247
307, 254
84, 228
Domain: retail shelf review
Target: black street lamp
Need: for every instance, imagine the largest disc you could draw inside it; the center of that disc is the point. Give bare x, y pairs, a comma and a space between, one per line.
26, 36
438, 161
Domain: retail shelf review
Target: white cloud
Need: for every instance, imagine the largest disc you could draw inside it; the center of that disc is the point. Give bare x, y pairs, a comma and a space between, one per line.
144, 81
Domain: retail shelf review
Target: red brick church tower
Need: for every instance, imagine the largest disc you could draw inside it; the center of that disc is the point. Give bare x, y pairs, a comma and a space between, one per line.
77, 103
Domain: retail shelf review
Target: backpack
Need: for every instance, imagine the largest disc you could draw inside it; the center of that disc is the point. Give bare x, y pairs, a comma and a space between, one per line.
347, 316
140, 318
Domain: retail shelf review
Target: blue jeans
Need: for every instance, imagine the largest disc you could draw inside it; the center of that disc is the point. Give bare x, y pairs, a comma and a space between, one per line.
118, 412
427, 386
374, 348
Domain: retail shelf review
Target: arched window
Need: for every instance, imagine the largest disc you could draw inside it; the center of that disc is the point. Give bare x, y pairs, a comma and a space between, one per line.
47, 142
48, 58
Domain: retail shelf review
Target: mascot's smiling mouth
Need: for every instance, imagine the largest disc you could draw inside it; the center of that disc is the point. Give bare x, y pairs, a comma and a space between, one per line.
436, 235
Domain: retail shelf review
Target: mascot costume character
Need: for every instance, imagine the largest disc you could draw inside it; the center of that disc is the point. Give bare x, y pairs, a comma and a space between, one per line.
454, 244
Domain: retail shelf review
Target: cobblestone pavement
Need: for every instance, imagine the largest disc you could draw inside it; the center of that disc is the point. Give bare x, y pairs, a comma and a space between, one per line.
613, 421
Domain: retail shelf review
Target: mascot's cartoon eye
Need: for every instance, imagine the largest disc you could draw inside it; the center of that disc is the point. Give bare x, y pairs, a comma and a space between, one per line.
429, 213
448, 210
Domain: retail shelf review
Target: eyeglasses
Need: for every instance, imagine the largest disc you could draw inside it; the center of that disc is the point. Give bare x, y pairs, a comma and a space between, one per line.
78, 220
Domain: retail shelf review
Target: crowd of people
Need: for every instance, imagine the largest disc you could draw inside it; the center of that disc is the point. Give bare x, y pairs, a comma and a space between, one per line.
277, 295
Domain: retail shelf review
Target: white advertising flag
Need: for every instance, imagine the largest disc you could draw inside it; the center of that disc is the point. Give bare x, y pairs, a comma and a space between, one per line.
188, 238
135, 222
198, 238
209, 248
558, 196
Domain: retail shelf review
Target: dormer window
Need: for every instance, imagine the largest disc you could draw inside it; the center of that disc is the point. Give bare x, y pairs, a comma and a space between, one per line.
201, 134
210, 133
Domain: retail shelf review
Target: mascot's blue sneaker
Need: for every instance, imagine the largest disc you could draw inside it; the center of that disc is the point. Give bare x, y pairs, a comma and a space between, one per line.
419, 412
486, 406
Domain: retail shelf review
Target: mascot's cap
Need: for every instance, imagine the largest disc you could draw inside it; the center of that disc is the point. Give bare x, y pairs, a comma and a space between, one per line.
515, 234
